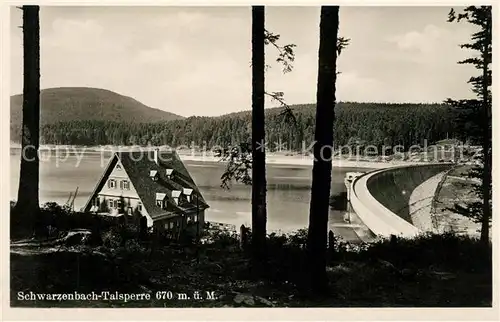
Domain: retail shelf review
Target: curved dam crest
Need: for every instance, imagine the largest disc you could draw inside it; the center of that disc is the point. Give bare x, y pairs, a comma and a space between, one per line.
381, 198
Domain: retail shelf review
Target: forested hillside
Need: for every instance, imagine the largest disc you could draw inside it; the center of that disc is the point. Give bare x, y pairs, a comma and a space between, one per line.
356, 124
67, 104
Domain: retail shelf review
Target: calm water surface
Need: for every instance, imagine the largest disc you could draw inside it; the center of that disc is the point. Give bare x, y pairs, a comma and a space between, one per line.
287, 198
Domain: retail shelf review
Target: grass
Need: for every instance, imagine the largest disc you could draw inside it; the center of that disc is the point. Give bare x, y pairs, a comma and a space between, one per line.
432, 270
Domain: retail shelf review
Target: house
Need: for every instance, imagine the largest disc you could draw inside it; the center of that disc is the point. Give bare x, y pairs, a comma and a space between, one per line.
154, 186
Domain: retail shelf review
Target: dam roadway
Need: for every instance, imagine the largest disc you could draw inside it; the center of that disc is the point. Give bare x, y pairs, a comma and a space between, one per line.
345, 230
381, 198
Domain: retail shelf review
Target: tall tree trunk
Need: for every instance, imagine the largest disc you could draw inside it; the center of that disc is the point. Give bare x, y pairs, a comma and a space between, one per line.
27, 198
485, 222
259, 216
323, 136
486, 144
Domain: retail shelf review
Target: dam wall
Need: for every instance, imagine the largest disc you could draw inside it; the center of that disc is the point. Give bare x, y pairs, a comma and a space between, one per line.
381, 198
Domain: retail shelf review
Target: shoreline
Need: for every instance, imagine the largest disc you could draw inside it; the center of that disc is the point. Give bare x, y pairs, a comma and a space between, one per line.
308, 161
272, 158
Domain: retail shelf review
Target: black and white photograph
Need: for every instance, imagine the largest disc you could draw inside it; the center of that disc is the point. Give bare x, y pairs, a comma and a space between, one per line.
250, 156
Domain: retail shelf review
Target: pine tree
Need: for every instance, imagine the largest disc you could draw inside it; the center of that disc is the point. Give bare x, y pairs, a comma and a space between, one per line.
476, 113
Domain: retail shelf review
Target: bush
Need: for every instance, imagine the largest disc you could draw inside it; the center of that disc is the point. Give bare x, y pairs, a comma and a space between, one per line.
127, 232
54, 219
298, 238
118, 236
111, 239
223, 239
288, 255
441, 251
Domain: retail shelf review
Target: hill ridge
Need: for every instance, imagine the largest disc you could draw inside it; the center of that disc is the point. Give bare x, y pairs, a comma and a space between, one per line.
60, 104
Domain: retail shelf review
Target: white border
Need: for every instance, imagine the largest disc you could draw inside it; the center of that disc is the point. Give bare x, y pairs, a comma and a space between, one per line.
230, 314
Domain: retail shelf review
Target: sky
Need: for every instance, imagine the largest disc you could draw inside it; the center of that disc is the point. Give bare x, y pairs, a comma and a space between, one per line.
196, 60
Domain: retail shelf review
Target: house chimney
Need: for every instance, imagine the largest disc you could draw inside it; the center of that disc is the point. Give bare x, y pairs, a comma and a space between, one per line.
187, 192
155, 155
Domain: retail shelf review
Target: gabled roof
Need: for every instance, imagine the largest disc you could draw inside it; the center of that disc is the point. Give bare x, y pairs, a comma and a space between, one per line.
138, 166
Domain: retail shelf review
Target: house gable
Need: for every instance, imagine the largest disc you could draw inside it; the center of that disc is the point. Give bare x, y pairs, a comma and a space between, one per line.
102, 180
115, 170
118, 183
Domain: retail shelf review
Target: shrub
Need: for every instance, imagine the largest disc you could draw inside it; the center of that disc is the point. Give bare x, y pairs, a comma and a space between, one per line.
298, 238
224, 239
111, 239
441, 251
132, 250
54, 219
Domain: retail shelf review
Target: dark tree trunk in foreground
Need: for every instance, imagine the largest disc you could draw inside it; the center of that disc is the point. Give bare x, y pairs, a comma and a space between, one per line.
27, 198
259, 216
323, 136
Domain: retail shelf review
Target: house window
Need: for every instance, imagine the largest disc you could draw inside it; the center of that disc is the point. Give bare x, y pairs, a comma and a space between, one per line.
112, 183
171, 224
118, 204
111, 204
125, 184
115, 203
139, 206
166, 226
159, 203
195, 218
119, 167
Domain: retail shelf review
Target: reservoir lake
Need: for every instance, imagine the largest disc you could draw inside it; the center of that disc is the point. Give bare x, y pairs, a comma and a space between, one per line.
288, 189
